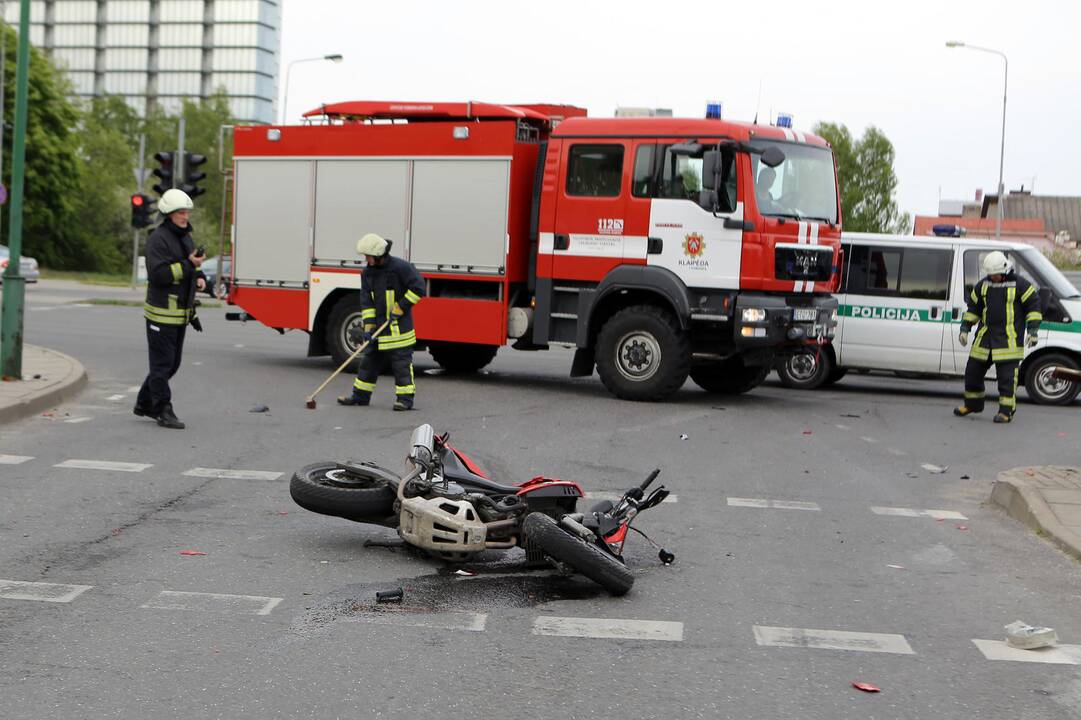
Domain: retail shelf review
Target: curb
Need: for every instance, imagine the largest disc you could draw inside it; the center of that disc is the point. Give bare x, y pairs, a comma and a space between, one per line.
67, 388
1027, 505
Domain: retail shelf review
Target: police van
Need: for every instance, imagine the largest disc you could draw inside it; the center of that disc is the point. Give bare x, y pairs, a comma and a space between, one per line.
901, 300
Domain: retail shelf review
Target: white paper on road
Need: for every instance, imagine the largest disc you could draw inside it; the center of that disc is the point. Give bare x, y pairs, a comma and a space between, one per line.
910, 512
233, 474
831, 640
1057, 655
609, 628
42, 592
213, 602
103, 465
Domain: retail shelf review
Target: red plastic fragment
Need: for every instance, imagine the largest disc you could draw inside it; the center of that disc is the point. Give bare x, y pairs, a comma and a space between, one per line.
283, 512
808, 432
866, 687
117, 531
962, 527
192, 552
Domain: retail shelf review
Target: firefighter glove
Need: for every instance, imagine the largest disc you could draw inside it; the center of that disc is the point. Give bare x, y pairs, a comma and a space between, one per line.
397, 311
1031, 339
358, 335
963, 338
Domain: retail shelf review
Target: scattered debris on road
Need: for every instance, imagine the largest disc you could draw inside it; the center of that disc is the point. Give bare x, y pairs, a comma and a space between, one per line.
1020, 634
388, 596
192, 552
683, 436
897, 567
866, 687
936, 469
260, 409
808, 431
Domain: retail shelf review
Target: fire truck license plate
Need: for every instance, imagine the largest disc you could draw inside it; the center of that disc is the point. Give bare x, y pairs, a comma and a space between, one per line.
805, 314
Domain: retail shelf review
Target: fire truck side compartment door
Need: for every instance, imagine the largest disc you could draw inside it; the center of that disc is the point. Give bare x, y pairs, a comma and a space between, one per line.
354, 197
273, 221
460, 214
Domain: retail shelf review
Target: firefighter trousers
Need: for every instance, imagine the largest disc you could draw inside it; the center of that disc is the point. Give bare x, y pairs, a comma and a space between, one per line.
372, 362
166, 345
1006, 371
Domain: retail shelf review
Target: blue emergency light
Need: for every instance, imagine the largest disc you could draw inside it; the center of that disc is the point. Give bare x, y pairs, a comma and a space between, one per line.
713, 111
948, 230
784, 120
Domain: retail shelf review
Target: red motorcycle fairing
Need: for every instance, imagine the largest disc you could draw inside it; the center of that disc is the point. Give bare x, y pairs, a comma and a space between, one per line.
542, 486
467, 461
619, 536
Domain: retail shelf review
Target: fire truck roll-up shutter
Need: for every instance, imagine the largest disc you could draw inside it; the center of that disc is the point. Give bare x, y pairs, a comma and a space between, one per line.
273, 222
459, 219
354, 197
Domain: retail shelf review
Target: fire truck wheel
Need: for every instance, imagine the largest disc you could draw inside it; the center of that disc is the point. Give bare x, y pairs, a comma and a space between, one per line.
729, 377
807, 369
589, 560
462, 357
345, 314
360, 492
642, 354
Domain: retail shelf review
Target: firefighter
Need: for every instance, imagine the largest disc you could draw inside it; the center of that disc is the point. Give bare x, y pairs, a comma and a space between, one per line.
1007, 308
389, 288
173, 276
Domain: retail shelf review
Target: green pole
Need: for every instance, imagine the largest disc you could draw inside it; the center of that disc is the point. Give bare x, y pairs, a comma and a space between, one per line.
11, 331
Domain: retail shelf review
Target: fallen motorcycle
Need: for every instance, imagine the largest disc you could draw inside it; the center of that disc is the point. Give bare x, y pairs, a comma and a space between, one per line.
447, 506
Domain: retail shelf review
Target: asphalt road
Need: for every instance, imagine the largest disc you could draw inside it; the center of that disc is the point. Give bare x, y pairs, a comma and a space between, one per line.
775, 526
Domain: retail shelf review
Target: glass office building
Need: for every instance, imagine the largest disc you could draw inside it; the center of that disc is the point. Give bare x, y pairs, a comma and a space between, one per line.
162, 51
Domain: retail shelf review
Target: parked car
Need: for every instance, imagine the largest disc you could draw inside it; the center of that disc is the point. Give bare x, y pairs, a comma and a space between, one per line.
210, 269
28, 266
900, 305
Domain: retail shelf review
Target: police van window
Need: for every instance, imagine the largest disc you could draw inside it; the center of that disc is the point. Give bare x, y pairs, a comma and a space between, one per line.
925, 273
918, 273
595, 170
874, 270
642, 185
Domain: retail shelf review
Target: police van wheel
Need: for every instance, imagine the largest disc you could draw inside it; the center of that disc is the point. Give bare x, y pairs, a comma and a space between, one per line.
806, 370
1045, 389
642, 354
462, 358
344, 315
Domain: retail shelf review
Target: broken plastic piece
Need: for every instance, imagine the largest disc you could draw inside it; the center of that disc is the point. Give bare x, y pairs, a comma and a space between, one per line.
808, 432
387, 596
962, 527
260, 409
192, 552
683, 436
1020, 634
866, 687
464, 573
896, 567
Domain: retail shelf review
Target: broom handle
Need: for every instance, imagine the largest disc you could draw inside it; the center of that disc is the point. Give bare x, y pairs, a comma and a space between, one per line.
348, 360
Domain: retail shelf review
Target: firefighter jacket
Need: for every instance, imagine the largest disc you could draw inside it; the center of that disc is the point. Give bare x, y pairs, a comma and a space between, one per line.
170, 288
1004, 310
389, 292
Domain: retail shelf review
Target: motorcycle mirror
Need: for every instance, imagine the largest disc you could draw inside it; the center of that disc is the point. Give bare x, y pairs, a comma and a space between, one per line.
666, 557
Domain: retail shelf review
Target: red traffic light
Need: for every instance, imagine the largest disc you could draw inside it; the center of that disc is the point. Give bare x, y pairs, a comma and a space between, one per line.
137, 200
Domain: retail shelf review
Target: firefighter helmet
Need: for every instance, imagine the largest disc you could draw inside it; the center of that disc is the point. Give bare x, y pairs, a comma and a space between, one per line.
374, 245
996, 263
174, 200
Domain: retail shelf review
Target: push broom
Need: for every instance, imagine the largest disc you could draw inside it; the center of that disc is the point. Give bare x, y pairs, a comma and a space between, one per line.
311, 398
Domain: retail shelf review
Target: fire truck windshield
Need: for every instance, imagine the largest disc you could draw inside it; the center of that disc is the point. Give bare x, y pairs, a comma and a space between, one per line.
802, 187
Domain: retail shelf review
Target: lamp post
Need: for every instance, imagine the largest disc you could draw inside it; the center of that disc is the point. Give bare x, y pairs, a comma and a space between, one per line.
335, 58
1002, 149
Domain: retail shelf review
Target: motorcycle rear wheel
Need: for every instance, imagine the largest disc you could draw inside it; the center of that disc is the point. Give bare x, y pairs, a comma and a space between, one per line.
589, 560
360, 493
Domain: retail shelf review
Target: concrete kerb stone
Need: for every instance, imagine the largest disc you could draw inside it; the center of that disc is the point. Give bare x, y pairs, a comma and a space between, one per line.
1021, 493
63, 378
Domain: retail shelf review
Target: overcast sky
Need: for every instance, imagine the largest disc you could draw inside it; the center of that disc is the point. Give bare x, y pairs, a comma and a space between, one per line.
857, 63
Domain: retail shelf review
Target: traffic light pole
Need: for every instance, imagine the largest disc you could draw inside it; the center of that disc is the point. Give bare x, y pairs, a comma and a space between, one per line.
135, 232
11, 332
178, 162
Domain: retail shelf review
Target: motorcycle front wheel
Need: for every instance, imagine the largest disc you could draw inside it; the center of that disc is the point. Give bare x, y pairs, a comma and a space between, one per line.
558, 544
358, 492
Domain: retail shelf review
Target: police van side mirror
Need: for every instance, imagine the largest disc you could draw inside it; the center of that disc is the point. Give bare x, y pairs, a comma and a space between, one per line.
711, 170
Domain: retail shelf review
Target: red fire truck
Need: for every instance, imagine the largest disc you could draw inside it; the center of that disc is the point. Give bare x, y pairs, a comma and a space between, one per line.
657, 247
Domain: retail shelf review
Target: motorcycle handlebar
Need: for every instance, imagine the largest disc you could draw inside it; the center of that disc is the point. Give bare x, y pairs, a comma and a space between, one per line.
652, 476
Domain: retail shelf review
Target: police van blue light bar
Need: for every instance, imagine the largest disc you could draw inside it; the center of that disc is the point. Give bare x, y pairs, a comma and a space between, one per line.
713, 111
784, 120
948, 230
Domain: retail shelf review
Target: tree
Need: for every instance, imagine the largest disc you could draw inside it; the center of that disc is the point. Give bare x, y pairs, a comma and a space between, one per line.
868, 182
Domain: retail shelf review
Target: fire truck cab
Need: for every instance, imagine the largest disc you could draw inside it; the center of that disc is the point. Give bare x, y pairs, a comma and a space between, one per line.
656, 247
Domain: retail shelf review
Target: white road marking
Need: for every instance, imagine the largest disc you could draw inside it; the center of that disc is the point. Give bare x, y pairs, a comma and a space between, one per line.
134, 388
81, 305
115, 398
213, 602
775, 504
895, 451
1057, 655
42, 592
453, 620
103, 465
615, 496
609, 628
909, 512
15, 459
842, 427
831, 640
868, 439
233, 474
77, 420
42, 309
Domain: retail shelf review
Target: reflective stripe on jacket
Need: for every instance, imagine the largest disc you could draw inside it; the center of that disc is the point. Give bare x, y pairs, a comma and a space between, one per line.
395, 284
1004, 311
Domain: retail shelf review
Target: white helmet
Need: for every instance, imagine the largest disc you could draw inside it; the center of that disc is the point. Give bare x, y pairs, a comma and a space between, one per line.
174, 200
372, 244
996, 263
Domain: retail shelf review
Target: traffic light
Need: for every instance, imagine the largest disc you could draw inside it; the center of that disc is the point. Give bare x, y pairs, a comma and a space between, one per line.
192, 175
166, 162
142, 210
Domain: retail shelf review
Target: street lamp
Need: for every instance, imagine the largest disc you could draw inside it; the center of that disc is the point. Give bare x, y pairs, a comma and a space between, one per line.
335, 58
1002, 150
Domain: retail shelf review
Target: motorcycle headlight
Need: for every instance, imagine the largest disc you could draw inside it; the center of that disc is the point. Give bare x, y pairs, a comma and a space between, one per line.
751, 315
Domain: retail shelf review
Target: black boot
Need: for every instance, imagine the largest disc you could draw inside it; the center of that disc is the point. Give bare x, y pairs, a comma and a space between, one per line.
355, 400
403, 403
141, 411
168, 419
